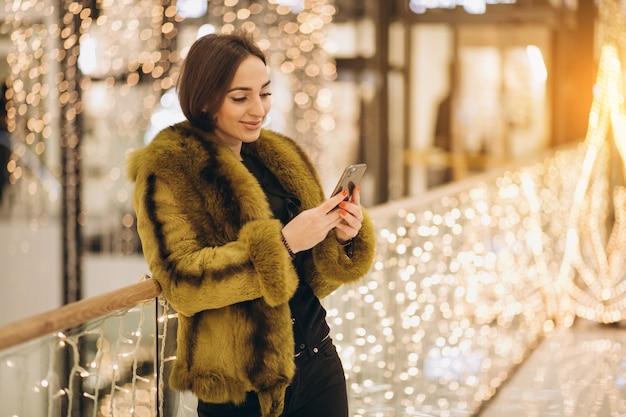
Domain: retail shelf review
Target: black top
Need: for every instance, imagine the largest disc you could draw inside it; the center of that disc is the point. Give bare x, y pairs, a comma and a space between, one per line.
308, 315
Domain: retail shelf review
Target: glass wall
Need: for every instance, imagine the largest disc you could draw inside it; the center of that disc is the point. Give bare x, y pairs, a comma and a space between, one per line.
479, 100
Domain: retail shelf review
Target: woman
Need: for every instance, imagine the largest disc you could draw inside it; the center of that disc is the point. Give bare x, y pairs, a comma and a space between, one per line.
237, 231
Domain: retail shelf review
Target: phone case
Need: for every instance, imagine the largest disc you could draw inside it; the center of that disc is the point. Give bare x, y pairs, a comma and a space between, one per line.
350, 178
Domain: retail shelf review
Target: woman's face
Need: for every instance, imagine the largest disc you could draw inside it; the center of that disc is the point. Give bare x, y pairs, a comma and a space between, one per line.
247, 102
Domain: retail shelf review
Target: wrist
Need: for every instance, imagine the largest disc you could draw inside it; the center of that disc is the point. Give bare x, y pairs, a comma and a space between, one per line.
344, 242
347, 246
286, 245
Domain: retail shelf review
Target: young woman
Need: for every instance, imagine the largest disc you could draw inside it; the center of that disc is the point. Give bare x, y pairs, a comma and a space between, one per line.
237, 230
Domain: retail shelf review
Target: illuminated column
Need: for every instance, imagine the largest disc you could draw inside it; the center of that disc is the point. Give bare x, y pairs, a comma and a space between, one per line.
73, 17
592, 271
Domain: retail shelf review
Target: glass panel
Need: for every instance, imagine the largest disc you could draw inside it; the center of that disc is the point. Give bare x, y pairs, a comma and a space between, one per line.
105, 367
432, 52
500, 106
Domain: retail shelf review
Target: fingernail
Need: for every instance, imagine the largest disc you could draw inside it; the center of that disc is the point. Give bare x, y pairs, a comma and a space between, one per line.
343, 212
344, 192
342, 204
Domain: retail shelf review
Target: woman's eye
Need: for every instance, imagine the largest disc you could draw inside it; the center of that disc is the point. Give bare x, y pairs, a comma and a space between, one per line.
242, 99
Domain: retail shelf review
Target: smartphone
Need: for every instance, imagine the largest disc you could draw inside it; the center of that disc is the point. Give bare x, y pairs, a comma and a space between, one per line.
350, 178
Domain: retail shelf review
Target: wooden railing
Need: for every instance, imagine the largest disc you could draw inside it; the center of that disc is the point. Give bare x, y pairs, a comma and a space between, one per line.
77, 313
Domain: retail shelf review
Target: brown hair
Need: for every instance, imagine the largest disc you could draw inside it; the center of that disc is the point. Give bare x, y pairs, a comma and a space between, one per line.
208, 71
3, 106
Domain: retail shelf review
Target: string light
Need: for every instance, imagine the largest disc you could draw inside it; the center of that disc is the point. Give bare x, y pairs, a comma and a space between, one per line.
460, 293
111, 359
129, 53
461, 290
592, 269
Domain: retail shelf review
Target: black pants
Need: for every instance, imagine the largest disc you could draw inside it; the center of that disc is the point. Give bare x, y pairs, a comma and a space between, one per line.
318, 389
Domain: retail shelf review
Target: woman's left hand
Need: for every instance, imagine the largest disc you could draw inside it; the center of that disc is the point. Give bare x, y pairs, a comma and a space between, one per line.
351, 217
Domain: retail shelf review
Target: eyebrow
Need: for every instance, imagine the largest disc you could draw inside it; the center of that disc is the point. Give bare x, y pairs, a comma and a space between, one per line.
247, 88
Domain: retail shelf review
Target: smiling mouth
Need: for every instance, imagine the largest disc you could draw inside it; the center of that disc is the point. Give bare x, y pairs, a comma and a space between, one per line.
253, 125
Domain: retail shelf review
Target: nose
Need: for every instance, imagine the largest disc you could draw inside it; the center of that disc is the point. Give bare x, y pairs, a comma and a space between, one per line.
257, 107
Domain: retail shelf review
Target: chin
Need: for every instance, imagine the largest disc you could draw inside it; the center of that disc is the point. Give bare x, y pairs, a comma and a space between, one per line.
250, 138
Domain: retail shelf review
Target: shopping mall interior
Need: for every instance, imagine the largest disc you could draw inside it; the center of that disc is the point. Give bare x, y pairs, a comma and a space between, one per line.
494, 133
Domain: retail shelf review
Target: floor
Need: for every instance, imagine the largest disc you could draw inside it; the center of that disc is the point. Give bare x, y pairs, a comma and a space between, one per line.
580, 371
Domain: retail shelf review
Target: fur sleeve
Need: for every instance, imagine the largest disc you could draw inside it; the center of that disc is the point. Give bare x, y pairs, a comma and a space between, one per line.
335, 267
196, 278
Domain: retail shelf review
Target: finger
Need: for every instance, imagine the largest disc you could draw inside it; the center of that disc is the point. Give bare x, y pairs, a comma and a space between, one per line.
346, 230
334, 201
353, 209
356, 196
351, 219
332, 221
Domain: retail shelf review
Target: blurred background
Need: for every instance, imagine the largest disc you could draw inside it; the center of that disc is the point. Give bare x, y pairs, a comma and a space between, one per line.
424, 92
477, 261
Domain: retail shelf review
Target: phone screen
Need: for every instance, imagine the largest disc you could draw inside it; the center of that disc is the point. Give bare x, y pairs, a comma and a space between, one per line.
350, 178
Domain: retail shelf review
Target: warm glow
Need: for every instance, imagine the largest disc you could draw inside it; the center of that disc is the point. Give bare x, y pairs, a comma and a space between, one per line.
537, 63
463, 286
592, 272
470, 6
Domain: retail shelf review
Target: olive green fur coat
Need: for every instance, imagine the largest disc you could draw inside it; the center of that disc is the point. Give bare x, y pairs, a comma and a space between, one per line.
213, 245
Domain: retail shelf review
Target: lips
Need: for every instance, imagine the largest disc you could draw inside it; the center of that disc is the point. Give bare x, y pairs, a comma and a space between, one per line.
253, 125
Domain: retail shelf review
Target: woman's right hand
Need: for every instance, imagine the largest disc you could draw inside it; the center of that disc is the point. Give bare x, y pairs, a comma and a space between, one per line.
311, 226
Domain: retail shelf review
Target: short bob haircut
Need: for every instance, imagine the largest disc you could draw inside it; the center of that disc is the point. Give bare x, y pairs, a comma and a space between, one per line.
208, 71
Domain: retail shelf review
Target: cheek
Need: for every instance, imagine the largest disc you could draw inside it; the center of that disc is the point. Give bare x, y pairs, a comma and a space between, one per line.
226, 114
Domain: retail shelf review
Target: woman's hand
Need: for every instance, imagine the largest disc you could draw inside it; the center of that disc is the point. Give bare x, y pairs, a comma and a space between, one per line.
351, 217
311, 226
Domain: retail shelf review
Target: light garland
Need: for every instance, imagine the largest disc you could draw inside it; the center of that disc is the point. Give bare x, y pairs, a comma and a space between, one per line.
462, 288
130, 53
112, 369
592, 271
461, 291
